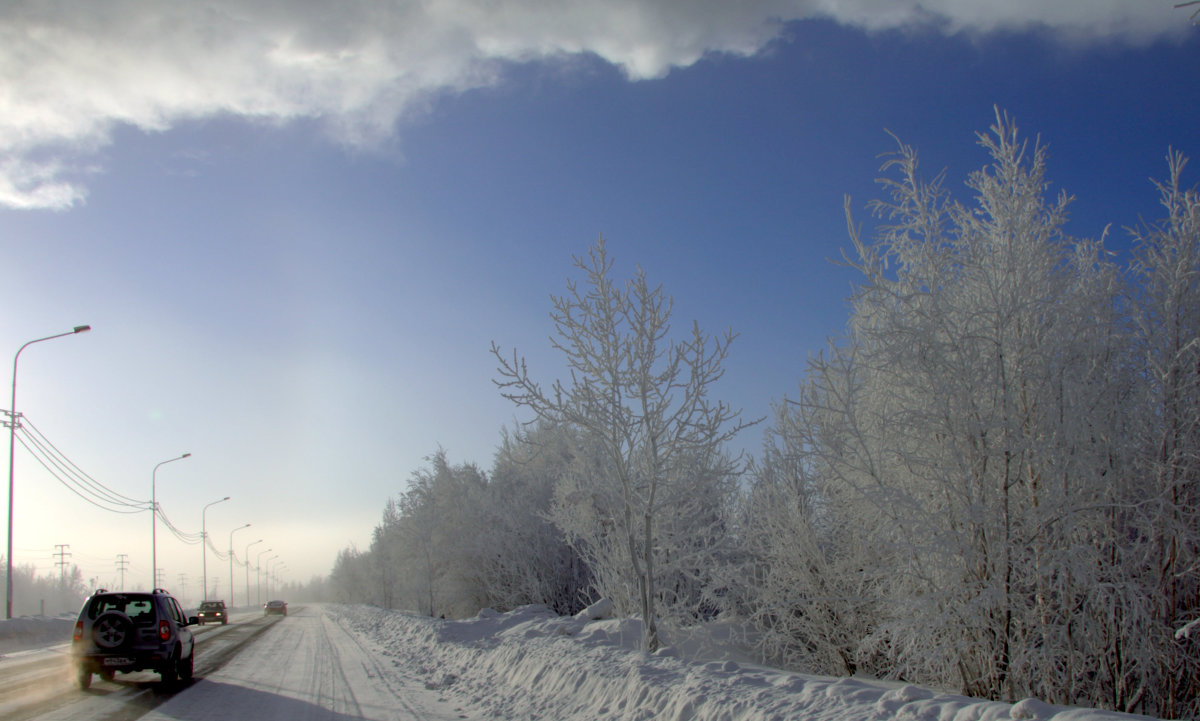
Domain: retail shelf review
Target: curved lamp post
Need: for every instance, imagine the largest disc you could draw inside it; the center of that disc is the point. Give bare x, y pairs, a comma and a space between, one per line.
248, 545
153, 518
204, 543
279, 569
258, 576
268, 562
270, 571
232, 602
12, 445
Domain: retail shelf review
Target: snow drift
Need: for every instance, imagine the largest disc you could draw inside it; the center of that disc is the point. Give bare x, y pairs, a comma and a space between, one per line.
532, 664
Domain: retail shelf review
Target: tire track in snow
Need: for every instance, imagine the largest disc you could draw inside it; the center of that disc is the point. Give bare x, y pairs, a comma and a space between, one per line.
373, 667
330, 650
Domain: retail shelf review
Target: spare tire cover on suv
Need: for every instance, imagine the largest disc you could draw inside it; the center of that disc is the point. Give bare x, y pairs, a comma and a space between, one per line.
112, 630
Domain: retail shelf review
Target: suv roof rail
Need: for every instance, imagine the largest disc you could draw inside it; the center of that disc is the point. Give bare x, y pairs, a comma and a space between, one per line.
160, 590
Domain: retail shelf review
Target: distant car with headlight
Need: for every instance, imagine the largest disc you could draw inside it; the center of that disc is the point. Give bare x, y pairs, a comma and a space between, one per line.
213, 612
275, 607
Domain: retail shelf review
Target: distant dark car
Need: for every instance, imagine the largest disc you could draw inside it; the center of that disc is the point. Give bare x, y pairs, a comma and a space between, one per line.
132, 632
279, 607
213, 612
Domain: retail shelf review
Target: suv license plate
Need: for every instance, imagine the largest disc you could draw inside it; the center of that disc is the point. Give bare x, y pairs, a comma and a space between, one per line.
115, 661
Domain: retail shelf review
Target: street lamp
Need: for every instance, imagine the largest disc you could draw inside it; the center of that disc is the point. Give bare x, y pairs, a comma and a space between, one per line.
248, 545
12, 446
232, 602
258, 576
268, 574
279, 569
268, 562
154, 516
204, 542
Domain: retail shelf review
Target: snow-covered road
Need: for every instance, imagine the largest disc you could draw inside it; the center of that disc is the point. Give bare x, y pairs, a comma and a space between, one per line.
307, 668
304, 667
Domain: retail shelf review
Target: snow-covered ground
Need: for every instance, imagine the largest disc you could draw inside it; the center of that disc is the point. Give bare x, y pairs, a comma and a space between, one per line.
363, 662
531, 664
28, 632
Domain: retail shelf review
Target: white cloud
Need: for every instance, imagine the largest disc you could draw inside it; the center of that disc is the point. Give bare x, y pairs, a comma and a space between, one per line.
32, 184
71, 71
1134, 21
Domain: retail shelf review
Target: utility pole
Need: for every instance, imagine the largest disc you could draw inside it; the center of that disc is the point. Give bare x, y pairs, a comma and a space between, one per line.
122, 564
182, 586
63, 555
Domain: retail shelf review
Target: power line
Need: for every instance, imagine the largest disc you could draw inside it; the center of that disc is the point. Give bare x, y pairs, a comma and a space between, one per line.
73, 488
188, 538
68, 473
78, 472
87, 488
221, 555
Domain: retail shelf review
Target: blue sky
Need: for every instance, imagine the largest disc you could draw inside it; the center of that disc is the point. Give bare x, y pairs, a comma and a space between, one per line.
296, 232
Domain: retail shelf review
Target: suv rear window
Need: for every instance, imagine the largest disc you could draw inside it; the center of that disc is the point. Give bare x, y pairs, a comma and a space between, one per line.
138, 607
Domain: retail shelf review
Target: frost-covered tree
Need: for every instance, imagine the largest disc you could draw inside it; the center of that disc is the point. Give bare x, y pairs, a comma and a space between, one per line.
456, 540
1162, 510
426, 550
987, 360
438, 542
51, 594
351, 576
384, 547
809, 581
642, 504
968, 425
527, 558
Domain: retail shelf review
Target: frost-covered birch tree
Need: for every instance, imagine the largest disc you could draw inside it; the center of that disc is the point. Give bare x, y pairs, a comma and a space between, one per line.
966, 424
385, 546
455, 540
988, 356
439, 546
526, 558
350, 578
652, 470
1162, 514
809, 582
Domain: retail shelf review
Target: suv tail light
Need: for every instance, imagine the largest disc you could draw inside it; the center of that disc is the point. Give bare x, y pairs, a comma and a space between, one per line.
164, 630
78, 635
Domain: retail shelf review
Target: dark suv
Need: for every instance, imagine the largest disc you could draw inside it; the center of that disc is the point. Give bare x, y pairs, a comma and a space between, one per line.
212, 612
135, 631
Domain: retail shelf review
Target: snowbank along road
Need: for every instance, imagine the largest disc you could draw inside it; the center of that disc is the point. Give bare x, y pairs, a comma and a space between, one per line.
305, 666
339, 663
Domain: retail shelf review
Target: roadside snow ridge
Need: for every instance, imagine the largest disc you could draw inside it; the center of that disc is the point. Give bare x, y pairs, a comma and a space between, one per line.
532, 664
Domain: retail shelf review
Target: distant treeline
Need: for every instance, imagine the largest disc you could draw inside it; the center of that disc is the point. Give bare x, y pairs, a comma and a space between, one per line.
48, 595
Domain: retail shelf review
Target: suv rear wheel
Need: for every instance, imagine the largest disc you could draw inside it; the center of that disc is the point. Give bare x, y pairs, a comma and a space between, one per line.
112, 630
83, 678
